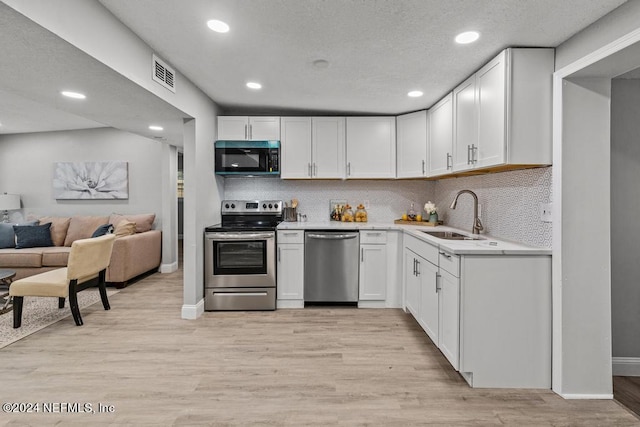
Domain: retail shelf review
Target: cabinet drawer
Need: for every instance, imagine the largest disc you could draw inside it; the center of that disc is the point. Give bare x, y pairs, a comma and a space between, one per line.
450, 263
422, 248
373, 237
290, 236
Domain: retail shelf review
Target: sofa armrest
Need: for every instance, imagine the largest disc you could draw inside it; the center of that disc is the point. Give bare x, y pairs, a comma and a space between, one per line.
135, 254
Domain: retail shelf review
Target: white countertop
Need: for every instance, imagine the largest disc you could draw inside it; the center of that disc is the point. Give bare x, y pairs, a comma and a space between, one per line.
487, 245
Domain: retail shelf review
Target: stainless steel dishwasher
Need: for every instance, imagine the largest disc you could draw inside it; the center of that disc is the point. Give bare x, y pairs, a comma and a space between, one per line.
331, 267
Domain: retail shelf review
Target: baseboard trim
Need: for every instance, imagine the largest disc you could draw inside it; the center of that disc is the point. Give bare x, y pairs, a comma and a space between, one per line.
192, 312
168, 268
289, 303
570, 396
372, 304
626, 366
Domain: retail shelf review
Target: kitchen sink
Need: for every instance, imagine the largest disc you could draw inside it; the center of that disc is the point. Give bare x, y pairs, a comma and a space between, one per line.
451, 235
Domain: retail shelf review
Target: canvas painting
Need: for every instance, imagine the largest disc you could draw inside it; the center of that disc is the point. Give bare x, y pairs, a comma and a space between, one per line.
90, 180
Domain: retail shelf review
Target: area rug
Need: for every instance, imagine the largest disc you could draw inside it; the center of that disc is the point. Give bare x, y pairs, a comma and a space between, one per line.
38, 313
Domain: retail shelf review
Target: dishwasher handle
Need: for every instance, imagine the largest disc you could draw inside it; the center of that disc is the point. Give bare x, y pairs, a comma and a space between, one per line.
332, 236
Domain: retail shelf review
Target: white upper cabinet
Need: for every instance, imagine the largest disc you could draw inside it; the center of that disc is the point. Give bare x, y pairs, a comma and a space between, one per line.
295, 147
312, 147
465, 125
371, 147
248, 128
412, 145
328, 148
440, 140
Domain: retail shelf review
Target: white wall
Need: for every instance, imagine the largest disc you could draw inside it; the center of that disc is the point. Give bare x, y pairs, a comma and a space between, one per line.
26, 168
625, 211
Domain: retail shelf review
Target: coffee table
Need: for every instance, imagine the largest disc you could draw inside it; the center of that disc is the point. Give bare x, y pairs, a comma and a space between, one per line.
6, 277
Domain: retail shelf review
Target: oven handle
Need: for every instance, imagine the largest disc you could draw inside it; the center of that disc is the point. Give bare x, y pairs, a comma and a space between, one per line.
239, 236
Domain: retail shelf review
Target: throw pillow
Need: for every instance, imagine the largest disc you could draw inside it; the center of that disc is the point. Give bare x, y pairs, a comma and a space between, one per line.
102, 230
144, 222
33, 236
125, 228
8, 236
81, 227
59, 228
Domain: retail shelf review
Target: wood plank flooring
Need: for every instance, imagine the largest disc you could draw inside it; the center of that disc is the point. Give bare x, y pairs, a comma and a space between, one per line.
308, 367
626, 390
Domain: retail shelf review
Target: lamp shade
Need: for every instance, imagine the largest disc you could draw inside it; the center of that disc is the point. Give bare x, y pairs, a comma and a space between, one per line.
9, 202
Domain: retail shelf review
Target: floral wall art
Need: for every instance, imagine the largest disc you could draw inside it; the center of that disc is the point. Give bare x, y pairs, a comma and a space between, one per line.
90, 180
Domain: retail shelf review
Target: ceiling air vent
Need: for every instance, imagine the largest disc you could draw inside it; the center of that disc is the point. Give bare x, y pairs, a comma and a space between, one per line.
163, 74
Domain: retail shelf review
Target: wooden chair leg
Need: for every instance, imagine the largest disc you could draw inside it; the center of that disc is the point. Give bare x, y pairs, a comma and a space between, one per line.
103, 290
61, 302
73, 302
17, 311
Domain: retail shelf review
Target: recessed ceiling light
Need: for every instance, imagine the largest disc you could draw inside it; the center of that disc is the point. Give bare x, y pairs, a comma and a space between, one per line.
74, 95
467, 37
254, 85
156, 127
415, 93
218, 26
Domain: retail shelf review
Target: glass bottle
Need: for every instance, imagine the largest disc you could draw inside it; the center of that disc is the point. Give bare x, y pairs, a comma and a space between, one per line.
411, 215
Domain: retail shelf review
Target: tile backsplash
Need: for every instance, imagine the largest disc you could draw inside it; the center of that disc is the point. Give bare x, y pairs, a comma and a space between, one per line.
510, 200
510, 204
388, 200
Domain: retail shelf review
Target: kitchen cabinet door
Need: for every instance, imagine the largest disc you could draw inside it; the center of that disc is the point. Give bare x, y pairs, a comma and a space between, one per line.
239, 128
449, 333
371, 147
429, 299
295, 147
233, 128
373, 272
492, 103
328, 149
411, 284
440, 141
465, 125
412, 145
290, 272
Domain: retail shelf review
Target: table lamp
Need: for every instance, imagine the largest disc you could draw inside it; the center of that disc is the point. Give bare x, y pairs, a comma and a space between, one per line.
8, 202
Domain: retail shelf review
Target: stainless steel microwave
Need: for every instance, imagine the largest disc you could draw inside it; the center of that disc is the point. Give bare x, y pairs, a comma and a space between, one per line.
247, 158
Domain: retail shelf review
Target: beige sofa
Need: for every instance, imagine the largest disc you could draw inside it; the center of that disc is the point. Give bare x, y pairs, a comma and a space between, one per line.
137, 248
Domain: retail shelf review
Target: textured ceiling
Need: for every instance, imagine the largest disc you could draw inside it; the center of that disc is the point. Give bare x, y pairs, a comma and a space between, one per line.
378, 50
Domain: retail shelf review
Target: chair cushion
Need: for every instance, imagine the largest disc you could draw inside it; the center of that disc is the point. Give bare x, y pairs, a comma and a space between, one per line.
82, 227
143, 222
10, 258
59, 228
53, 283
55, 256
33, 236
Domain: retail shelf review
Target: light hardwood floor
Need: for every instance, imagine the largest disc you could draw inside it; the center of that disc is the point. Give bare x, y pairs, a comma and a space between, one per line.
318, 366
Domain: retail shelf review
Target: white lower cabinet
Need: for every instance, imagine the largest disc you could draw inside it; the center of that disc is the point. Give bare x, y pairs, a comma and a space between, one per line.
373, 266
290, 271
490, 315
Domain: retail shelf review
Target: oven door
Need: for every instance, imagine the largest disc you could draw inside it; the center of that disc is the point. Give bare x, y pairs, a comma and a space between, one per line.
240, 259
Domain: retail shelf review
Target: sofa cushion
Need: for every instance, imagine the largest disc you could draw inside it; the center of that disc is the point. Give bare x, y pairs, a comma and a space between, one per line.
59, 228
125, 228
82, 227
102, 230
8, 236
33, 236
10, 258
55, 256
143, 222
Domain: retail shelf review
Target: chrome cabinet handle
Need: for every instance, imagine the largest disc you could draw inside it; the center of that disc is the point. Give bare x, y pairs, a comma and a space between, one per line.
417, 268
438, 277
449, 165
446, 255
250, 131
423, 167
309, 170
349, 169
246, 131
414, 266
468, 154
474, 154
315, 170
279, 250
361, 254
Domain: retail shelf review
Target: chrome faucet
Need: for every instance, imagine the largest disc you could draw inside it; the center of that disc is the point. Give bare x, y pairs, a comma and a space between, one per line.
477, 224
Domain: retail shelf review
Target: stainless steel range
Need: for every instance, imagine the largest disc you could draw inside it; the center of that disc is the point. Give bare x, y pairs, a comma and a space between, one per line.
240, 264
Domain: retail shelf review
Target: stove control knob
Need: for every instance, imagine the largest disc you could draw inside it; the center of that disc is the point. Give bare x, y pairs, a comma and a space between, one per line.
233, 206
275, 206
270, 205
264, 206
227, 206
